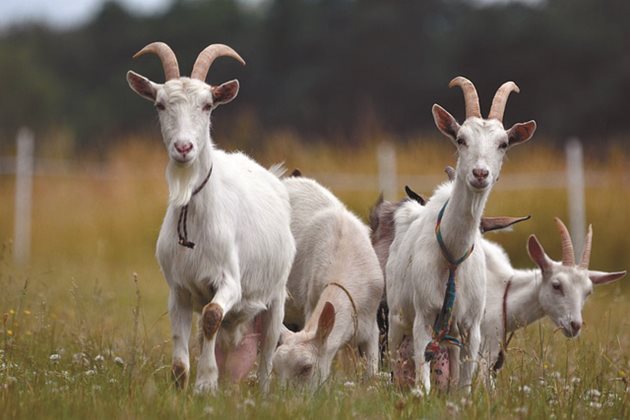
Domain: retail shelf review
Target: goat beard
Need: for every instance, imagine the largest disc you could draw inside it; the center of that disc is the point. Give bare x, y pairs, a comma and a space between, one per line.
181, 183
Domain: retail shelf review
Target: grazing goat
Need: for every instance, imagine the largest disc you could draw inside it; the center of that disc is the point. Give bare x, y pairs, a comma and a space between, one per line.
516, 298
237, 212
334, 287
417, 269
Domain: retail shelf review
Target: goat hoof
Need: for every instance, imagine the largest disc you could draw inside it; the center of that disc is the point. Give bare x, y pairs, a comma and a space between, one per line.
180, 375
205, 387
212, 316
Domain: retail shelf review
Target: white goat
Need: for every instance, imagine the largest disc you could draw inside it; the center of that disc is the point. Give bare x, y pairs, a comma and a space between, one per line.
516, 298
237, 213
416, 270
334, 287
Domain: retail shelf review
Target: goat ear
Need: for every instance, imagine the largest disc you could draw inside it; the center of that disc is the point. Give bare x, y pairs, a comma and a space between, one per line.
537, 254
602, 277
521, 132
415, 196
142, 86
445, 122
326, 322
285, 333
225, 92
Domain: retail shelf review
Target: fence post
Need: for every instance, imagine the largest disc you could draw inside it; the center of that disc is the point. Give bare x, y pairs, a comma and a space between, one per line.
575, 193
387, 182
23, 196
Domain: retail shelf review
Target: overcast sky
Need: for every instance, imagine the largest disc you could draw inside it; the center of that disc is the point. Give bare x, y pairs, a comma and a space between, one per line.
63, 13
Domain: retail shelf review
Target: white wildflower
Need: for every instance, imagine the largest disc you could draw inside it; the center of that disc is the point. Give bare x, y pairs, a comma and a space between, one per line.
592, 394
451, 407
520, 410
99, 358
595, 404
417, 392
90, 372
249, 403
575, 380
348, 384
55, 357
209, 410
525, 389
119, 361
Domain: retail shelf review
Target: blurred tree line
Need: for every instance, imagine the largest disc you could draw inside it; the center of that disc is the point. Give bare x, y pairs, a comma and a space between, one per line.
329, 68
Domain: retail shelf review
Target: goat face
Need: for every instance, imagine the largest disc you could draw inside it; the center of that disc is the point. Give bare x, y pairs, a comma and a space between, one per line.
566, 286
295, 360
481, 143
184, 106
302, 357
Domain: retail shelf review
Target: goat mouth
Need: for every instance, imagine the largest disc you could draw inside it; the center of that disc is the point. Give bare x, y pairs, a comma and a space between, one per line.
182, 160
478, 186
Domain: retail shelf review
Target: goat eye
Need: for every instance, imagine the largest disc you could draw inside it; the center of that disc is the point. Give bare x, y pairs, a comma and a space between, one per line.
461, 141
160, 106
207, 107
503, 146
557, 286
305, 370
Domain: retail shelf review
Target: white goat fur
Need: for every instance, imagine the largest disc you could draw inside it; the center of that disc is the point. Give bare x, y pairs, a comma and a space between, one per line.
240, 222
558, 292
333, 245
416, 270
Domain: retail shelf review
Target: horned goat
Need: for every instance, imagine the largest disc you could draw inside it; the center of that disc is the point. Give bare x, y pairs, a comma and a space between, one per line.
417, 269
237, 213
515, 298
334, 287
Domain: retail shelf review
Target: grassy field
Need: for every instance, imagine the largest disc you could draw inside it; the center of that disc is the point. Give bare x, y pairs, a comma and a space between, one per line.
85, 333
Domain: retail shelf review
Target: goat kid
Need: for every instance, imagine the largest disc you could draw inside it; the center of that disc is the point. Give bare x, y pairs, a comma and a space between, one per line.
334, 287
416, 270
237, 213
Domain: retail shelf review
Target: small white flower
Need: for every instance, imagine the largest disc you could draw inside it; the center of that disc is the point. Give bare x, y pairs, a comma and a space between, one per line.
96, 388
592, 394
520, 410
384, 376
55, 357
595, 405
249, 403
209, 410
525, 389
575, 380
119, 361
555, 375
99, 358
348, 384
90, 372
417, 392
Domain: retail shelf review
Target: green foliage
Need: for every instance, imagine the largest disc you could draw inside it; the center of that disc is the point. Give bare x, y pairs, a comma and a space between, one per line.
329, 68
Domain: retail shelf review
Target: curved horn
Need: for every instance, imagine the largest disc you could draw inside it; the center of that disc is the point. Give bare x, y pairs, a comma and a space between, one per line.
568, 257
500, 100
471, 98
207, 57
167, 56
586, 254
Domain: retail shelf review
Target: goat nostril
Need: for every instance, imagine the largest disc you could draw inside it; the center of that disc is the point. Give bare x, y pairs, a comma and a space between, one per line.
480, 173
575, 326
183, 147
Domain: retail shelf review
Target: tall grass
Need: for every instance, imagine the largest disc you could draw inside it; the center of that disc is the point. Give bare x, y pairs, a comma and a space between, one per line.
85, 334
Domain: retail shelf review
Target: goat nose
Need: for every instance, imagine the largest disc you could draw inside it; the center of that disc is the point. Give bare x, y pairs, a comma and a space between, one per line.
575, 326
183, 147
480, 173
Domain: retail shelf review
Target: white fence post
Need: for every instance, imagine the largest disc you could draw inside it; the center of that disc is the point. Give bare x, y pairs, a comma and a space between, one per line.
575, 192
23, 196
387, 182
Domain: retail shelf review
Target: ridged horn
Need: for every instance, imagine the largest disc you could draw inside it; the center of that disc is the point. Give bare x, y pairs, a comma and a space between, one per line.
471, 99
500, 100
586, 254
207, 57
166, 55
568, 256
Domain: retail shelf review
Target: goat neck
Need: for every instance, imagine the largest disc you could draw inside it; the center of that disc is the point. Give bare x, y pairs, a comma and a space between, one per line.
523, 303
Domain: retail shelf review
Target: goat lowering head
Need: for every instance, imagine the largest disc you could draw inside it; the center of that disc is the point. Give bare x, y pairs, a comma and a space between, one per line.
566, 285
184, 106
481, 143
300, 358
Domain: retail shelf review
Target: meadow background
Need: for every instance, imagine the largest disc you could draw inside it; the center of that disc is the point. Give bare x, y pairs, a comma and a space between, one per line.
84, 329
